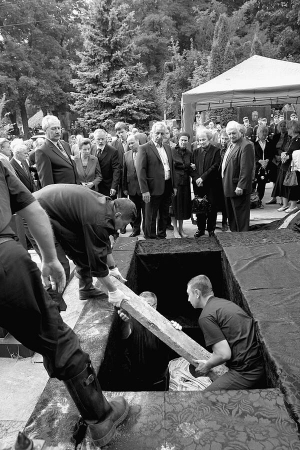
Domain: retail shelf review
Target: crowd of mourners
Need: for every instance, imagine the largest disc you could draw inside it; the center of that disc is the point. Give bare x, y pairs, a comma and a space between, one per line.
161, 171
53, 184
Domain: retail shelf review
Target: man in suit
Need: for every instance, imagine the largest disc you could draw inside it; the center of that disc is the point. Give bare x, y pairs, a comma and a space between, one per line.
5, 153
53, 159
237, 175
120, 145
109, 164
155, 174
131, 185
20, 165
206, 161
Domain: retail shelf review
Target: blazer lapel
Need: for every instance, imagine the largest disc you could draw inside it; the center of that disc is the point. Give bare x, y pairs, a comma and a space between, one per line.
155, 151
90, 165
59, 153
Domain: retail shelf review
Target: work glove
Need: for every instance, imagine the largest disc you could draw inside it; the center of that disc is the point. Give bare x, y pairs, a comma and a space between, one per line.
117, 274
116, 297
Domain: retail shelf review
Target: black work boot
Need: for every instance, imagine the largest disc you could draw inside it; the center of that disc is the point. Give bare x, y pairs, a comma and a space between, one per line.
87, 289
101, 416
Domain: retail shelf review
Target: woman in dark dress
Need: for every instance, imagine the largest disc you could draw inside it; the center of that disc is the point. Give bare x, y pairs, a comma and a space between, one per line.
280, 143
286, 159
294, 150
181, 202
264, 152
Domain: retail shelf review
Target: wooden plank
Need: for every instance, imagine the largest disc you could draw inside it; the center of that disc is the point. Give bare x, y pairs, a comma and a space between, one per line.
177, 340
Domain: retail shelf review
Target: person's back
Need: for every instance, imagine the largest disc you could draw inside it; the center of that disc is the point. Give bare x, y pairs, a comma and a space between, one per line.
237, 328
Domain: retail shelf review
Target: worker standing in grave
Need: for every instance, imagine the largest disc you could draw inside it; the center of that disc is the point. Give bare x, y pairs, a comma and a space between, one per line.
82, 221
230, 333
29, 314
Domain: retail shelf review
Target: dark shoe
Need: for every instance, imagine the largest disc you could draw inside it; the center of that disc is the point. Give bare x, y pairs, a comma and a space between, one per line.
271, 202
211, 233
123, 230
224, 227
103, 432
90, 293
101, 416
170, 227
135, 233
199, 233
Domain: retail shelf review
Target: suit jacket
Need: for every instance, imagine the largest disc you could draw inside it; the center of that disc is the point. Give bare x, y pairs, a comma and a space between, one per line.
150, 169
130, 179
7, 164
239, 168
110, 168
92, 172
117, 144
53, 167
207, 162
23, 175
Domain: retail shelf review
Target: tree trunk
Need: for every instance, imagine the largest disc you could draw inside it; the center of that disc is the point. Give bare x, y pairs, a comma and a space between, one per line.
24, 118
13, 119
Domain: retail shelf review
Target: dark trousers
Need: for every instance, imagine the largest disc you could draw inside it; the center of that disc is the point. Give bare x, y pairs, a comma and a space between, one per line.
211, 219
260, 186
233, 380
140, 209
72, 245
238, 211
158, 204
30, 315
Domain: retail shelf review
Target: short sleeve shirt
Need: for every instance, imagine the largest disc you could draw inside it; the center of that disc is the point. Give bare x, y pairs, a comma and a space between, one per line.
224, 320
85, 213
14, 196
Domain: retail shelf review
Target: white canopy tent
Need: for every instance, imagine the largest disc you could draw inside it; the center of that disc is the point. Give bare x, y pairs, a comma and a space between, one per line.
256, 81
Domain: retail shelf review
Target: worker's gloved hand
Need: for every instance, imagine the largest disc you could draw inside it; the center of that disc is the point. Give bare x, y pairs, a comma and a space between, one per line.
116, 297
176, 325
117, 274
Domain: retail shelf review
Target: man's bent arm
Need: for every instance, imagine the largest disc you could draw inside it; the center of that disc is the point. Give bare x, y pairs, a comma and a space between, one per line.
40, 228
221, 354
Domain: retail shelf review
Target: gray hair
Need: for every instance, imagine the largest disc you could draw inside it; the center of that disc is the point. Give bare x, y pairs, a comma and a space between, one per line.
98, 131
205, 131
18, 146
47, 120
233, 124
201, 282
131, 135
158, 124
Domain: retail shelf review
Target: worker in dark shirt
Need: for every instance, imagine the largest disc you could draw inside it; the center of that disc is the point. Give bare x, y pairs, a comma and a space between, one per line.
82, 221
29, 314
230, 333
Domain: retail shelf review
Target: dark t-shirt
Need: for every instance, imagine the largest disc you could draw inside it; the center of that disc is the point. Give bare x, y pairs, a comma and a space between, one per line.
222, 319
85, 213
14, 196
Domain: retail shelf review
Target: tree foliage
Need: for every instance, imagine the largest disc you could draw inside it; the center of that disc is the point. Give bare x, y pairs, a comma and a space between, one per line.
111, 83
38, 39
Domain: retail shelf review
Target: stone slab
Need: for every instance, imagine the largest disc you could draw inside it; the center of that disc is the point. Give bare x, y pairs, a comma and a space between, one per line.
177, 340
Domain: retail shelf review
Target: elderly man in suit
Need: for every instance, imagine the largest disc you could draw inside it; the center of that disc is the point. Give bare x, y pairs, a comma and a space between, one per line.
131, 185
155, 174
237, 176
5, 153
206, 161
20, 165
109, 164
53, 160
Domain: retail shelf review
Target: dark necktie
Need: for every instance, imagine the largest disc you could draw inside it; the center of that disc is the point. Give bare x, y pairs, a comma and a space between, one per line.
62, 150
25, 168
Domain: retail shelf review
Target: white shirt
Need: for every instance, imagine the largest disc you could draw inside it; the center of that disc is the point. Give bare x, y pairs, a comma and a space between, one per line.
296, 160
164, 159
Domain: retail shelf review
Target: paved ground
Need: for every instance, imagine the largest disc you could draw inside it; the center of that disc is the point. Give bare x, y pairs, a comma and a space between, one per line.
23, 380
